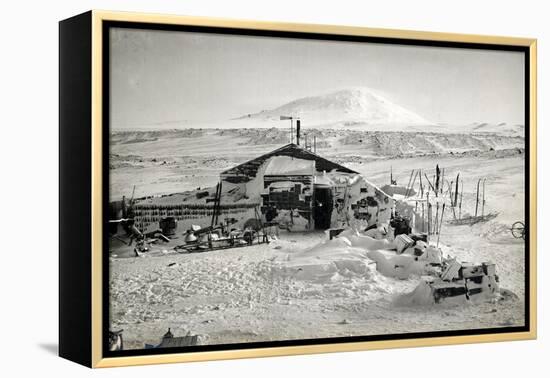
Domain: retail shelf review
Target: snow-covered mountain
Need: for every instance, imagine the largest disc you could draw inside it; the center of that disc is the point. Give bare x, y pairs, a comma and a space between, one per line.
347, 108
354, 109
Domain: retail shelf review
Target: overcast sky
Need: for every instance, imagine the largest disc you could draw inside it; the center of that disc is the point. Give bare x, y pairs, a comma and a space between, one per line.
160, 77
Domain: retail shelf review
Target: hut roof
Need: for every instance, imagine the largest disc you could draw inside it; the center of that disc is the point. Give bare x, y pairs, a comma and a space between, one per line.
248, 170
288, 165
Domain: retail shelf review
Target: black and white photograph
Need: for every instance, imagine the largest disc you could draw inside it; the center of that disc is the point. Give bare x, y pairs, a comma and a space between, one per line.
292, 188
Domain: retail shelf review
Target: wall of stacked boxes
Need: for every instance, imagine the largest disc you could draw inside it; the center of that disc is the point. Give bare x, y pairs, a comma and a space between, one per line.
146, 215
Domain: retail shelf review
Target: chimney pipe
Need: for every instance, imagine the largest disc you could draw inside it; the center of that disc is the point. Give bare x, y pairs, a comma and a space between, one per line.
298, 132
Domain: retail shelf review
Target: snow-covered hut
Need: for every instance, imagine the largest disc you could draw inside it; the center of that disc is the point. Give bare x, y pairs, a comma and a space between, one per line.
307, 191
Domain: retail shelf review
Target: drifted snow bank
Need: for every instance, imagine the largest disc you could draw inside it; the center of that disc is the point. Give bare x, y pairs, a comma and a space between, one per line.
400, 266
329, 262
341, 266
357, 262
354, 255
422, 295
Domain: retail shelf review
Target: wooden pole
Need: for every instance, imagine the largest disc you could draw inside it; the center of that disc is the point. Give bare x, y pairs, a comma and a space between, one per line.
423, 219
477, 195
429, 183
436, 215
409, 182
452, 207
437, 178
429, 220
440, 225
409, 189
421, 185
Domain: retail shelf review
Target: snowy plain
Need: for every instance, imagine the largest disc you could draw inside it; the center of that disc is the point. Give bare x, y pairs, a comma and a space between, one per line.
297, 287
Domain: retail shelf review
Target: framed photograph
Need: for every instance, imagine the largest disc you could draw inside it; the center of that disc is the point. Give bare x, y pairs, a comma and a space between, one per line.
234, 189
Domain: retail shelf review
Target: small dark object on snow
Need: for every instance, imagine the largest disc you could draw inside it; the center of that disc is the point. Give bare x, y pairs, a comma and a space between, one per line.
169, 341
200, 195
419, 237
372, 226
168, 225
400, 225
333, 232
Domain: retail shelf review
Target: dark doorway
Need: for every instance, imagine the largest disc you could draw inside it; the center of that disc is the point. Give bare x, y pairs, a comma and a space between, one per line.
322, 208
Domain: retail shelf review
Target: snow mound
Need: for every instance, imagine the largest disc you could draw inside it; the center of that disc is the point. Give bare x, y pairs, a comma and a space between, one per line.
328, 261
398, 266
421, 296
335, 267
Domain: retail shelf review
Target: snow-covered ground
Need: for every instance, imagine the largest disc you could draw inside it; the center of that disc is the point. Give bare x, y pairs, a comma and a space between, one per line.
295, 288
169, 161
280, 291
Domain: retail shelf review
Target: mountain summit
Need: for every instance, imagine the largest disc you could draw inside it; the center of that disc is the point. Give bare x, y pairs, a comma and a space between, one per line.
355, 106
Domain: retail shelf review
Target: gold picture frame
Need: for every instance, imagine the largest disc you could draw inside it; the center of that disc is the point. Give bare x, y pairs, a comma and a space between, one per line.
93, 264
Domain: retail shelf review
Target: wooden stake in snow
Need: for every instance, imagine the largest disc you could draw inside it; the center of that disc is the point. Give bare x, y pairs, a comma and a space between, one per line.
429, 205
216, 208
411, 187
477, 195
438, 184
429, 182
437, 178
410, 179
423, 219
440, 225
436, 216
451, 196
421, 185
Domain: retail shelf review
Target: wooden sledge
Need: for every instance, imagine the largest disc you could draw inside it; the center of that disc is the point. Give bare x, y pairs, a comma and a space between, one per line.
472, 219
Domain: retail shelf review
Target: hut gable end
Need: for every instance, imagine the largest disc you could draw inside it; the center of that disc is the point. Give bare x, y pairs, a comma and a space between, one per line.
246, 171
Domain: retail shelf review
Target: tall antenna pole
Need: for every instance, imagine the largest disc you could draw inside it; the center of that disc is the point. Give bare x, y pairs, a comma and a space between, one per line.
285, 118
